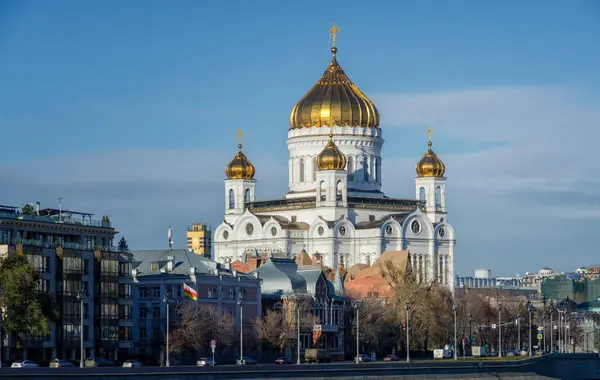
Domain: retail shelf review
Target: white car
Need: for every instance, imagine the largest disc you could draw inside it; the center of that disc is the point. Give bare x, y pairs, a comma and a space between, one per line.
24, 364
203, 362
132, 364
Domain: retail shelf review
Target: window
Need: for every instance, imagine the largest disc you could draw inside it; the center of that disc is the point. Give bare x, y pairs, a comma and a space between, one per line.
438, 196
124, 290
143, 312
366, 170
154, 266
247, 196
124, 269
315, 168
143, 334
212, 293
125, 333
156, 292
350, 169
301, 167
86, 269
371, 218
231, 294
124, 311
422, 194
231, 199
156, 313
294, 219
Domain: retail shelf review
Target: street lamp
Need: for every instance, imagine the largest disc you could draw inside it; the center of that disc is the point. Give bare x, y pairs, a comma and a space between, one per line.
355, 306
167, 300
241, 303
407, 332
518, 323
298, 327
499, 329
530, 309
454, 309
470, 333
551, 330
81, 297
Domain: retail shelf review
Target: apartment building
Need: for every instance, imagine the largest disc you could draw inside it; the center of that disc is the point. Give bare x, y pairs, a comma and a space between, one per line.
72, 252
158, 277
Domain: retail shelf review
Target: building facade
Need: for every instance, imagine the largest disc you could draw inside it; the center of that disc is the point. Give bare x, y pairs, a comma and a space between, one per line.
335, 206
72, 253
159, 275
199, 240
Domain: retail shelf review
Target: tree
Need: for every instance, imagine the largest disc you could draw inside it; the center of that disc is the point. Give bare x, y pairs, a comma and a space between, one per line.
26, 310
28, 209
197, 324
122, 245
375, 324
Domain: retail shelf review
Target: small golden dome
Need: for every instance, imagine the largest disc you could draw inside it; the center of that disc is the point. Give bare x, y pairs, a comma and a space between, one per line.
240, 167
334, 101
430, 164
331, 158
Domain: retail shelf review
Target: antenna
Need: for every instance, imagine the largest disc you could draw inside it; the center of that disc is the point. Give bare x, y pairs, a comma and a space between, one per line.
60, 208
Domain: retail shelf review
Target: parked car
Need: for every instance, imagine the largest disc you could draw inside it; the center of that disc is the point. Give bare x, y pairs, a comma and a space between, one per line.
132, 364
391, 358
363, 358
313, 355
205, 362
97, 362
245, 361
283, 360
60, 363
24, 364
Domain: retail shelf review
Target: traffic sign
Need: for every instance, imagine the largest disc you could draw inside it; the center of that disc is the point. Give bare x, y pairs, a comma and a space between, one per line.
494, 326
539, 336
540, 329
213, 343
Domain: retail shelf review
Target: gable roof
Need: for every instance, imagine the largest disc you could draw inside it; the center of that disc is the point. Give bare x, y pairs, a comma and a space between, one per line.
183, 260
399, 259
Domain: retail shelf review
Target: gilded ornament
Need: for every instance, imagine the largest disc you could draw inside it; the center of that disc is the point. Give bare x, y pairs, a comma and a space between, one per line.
331, 158
240, 167
430, 164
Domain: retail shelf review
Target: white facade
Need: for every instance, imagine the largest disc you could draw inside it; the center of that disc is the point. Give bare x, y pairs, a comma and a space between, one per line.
342, 215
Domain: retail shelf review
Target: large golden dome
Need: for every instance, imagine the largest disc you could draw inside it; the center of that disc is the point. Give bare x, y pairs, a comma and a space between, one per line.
331, 158
430, 164
240, 167
334, 101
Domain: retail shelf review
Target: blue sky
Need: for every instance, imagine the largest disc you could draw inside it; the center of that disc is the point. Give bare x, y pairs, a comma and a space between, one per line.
130, 108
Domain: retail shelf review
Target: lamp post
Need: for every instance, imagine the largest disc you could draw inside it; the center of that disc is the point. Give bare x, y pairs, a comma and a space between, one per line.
241, 303
544, 300
355, 306
551, 331
519, 333
454, 309
470, 333
81, 297
298, 328
407, 332
167, 300
560, 323
499, 329
530, 309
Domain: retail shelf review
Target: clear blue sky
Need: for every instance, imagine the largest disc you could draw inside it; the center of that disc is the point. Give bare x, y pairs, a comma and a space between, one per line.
94, 77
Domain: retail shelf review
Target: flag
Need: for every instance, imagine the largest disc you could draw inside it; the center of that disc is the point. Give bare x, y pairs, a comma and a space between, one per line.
189, 292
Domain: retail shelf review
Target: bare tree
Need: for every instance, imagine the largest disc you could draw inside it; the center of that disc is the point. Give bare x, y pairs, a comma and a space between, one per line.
197, 324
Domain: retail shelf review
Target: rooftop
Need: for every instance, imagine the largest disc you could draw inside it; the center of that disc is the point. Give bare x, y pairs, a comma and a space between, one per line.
31, 212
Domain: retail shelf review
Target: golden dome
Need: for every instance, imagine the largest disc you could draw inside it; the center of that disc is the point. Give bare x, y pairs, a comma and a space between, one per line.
430, 164
240, 167
334, 101
331, 158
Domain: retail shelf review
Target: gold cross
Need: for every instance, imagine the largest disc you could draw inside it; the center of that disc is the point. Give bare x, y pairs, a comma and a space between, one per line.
429, 133
333, 31
239, 134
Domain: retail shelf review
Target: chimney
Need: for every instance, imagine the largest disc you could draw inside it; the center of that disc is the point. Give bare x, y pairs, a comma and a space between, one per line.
170, 260
253, 263
37, 208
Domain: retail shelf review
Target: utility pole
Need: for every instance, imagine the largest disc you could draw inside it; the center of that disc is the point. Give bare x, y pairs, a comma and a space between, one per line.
470, 333
551, 331
167, 300
407, 332
454, 309
298, 326
356, 306
241, 303
499, 329
519, 334
81, 297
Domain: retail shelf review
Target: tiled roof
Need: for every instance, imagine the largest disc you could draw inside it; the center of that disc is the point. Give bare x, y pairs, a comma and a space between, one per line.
183, 260
379, 222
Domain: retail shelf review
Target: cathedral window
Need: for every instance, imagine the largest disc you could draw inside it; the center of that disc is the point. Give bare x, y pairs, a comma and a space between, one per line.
231, 199
375, 173
438, 196
350, 169
339, 190
247, 196
315, 169
422, 194
366, 170
323, 190
301, 167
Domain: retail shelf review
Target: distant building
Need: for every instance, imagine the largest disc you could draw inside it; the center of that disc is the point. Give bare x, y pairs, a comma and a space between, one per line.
481, 279
71, 252
157, 273
199, 240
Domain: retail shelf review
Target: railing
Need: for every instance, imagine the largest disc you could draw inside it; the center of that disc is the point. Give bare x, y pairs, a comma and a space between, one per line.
64, 219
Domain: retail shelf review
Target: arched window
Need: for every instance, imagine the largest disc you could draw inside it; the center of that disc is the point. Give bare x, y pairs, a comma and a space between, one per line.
301, 167
375, 173
247, 196
438, 196
422, 194
366, 169
231, 198
323, 190
315, 168
350, 169
338, 188
368, 260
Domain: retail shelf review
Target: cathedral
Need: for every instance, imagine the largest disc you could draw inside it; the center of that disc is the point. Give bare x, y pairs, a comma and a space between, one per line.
335, 209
